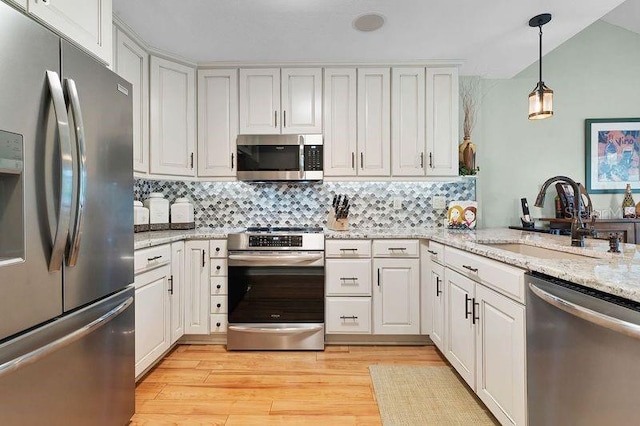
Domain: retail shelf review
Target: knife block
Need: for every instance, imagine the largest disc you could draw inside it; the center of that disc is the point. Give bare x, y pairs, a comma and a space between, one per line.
336, 224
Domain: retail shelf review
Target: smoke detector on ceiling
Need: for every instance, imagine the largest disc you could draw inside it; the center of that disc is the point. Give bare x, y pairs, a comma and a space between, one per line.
368, 22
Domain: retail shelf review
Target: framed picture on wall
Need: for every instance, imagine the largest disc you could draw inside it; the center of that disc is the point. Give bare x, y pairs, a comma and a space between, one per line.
612, 154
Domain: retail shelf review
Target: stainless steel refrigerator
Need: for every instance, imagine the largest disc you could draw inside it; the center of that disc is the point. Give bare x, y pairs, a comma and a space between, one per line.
66, 240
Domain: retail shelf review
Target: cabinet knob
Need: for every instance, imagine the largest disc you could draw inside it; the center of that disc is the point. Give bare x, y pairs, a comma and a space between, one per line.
217, 249
218, 286
218, 267
218, 324
218, 305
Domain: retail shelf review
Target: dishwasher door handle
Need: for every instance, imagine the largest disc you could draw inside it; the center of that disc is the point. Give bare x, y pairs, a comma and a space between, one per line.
595, 317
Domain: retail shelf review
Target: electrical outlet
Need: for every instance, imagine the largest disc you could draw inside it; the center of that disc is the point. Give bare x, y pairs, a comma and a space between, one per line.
397, 203
439, 202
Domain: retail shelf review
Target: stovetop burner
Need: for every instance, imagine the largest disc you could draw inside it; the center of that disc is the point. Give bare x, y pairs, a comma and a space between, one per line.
267, 229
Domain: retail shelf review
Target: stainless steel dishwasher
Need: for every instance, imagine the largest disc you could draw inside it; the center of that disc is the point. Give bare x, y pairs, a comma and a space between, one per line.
583, 355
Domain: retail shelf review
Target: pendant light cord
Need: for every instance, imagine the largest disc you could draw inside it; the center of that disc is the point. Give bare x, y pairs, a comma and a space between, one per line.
540, 60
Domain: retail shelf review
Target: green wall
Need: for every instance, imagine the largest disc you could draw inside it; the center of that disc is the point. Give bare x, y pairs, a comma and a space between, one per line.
595, 74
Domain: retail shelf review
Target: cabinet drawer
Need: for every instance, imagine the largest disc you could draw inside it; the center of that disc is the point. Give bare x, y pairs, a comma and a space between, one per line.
436, 252
501, 277
218, 267
347, 248
218, 304
218, 323
218, 248
152, 257
396, 248
348, 315
348, 277
218, 285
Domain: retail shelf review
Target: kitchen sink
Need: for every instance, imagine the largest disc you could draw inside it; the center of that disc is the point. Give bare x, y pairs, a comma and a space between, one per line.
534, 251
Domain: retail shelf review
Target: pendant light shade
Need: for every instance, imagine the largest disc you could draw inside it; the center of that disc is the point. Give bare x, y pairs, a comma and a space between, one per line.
541, 99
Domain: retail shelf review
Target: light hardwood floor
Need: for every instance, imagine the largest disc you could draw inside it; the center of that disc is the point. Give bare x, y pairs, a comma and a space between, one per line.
206, 385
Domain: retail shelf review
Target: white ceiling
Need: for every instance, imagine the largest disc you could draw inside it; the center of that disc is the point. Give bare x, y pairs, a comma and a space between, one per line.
491, 37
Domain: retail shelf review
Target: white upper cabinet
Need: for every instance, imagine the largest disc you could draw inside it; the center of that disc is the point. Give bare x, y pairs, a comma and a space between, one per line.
131, 62
217, 122
22, 4
301, 100
172, 123
340, 143
442, 122
269, 105
86, 22
260, 101
408, 122
374, 111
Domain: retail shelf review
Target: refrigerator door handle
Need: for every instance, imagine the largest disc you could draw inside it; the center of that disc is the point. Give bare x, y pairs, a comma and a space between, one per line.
81, 180
40, 353
66, 173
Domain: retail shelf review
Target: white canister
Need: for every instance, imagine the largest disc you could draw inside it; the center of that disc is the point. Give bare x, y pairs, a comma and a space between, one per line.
182, 216
158, 211
140, 217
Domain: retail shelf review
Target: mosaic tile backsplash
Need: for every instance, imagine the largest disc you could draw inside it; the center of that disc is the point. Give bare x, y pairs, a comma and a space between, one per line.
241, 204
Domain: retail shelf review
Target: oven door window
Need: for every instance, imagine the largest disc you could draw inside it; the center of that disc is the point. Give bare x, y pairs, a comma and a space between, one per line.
276, 295
265, 158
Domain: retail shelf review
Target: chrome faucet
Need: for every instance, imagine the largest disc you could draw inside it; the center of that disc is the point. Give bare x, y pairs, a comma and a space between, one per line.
578, 228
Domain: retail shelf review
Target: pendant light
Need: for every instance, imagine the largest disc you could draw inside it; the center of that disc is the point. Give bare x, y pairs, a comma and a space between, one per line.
541, 99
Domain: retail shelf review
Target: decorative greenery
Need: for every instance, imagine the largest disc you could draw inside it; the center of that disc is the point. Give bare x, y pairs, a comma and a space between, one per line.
469, 88
465, 171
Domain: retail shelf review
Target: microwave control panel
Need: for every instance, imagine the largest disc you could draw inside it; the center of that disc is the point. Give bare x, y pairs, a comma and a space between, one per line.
313, 158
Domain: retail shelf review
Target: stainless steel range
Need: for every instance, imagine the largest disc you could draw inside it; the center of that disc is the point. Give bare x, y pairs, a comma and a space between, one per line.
276, 289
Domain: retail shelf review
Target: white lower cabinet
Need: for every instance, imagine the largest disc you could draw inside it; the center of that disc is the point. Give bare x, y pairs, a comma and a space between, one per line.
348, 315
218, 290
152, 316
485, 332
196, 287
348, 287
396, 288
460, 348
500, 354
176, 290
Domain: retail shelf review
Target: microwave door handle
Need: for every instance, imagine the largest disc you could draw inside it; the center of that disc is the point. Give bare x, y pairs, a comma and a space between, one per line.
66, 173
81, 180
301, 173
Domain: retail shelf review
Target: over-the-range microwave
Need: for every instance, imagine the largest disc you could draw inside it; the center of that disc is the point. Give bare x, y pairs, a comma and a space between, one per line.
279, 157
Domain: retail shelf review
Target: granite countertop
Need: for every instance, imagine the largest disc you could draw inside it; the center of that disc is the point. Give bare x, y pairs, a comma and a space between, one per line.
617, 274
156, 238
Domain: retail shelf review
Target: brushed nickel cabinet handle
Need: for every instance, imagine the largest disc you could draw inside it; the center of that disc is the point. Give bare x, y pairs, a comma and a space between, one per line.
353, 160
362, 160
438, 291
435, 253
352, 317
232, 161
475, 318
431, 160
151, 259
171, 285
284, 118
192, 160
422, 160
467, 312
470, 268
275, 116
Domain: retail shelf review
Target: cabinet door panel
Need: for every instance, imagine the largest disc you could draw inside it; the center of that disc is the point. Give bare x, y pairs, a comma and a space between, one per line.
374, 119
132, 63
348, 315
460, 332
301, 100
437, 282
260, 101
442, 122
176, 290
217, 122
501, 356
408, 121
348, 277
396, 296
196, 287
340, 148
152, 337
88, 25
172, 124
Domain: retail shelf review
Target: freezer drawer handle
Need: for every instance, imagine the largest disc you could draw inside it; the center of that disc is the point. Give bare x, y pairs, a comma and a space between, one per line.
81, 180
595, 317
36, 355
66, 173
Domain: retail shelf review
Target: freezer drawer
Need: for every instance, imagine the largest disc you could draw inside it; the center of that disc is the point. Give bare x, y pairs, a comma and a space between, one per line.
77, 370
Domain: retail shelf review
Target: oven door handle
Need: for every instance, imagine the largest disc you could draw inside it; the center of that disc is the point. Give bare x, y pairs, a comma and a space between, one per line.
279, 259
275, 330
